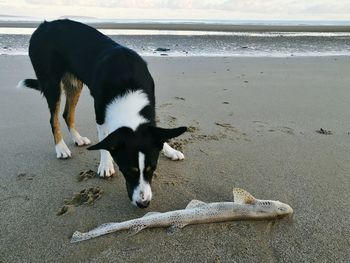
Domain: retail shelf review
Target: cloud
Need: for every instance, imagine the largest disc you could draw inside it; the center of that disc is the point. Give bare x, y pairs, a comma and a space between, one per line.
285, 6
102, 3
246, 6
183, 9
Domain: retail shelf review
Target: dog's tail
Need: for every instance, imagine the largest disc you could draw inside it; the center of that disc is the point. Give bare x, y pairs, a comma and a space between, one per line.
29, 83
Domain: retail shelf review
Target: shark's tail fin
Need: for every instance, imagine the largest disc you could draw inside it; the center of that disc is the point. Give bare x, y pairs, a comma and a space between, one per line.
29, 83
241, 196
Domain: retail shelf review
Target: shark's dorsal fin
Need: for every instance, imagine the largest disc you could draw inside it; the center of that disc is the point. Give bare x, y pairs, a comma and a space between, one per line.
241, 196
151, 213
195, 203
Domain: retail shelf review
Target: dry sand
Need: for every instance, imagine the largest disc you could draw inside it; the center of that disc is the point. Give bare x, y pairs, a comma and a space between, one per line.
254, 123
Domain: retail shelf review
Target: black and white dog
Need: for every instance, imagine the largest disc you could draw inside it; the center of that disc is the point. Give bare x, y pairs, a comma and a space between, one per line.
65, 55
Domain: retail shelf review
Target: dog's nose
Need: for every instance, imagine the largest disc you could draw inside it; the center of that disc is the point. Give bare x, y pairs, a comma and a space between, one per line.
143, 204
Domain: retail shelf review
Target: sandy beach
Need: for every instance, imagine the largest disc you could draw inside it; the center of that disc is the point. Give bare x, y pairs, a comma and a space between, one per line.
254, 123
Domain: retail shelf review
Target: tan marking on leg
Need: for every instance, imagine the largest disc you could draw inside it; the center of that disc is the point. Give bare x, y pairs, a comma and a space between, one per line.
72, 88
56, 129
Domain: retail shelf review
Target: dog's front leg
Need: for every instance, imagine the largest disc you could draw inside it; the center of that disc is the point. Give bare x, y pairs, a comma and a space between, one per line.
106, 167
171, 153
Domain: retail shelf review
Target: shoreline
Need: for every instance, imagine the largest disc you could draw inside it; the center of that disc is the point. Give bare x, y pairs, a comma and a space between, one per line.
194, 26
211, 55
195, 56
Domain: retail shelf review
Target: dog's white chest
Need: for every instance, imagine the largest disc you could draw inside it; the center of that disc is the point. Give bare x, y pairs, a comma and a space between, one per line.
125, 111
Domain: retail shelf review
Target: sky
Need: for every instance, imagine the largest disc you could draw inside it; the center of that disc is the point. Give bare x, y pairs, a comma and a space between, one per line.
181, 9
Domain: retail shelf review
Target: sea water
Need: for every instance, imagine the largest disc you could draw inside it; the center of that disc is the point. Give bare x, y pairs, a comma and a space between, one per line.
15, 41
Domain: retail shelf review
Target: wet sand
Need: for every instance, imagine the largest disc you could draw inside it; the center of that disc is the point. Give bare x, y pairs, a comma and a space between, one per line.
254, 123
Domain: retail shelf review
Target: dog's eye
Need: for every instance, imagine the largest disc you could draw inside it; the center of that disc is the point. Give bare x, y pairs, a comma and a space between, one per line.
150, 169
134, 169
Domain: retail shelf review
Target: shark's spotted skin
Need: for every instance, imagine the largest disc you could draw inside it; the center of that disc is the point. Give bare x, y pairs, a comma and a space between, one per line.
245, 206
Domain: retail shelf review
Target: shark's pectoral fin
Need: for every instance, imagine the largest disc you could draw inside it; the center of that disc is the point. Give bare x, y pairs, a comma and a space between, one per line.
174, 227
195, 203
135, 229
151, 213
241, 196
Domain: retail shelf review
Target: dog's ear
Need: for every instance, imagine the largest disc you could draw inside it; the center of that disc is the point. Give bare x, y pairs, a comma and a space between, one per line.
109, 143
162, 135
113, 141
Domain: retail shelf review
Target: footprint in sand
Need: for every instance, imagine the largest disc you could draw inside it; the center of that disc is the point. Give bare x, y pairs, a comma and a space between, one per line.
230, 130
171, 120
86, 175
85, 196
192, 129
262, 126
165, 105
286, 130
177, 145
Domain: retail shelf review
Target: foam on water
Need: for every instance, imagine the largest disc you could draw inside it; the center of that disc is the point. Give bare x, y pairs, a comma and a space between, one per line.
14, 41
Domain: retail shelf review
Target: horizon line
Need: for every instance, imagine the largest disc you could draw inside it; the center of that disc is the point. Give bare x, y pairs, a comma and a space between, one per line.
206, 25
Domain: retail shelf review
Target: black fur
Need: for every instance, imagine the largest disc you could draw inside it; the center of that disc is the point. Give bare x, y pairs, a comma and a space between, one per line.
109, 70
31, 83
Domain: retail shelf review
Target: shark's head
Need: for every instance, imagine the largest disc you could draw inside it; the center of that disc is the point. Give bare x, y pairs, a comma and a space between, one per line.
283, 209
267, 208
276, 208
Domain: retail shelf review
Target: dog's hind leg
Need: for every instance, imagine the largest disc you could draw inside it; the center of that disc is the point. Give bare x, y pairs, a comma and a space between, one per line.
72, 88
52, 93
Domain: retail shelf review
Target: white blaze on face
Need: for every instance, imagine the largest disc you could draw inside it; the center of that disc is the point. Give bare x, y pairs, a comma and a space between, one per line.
142, 192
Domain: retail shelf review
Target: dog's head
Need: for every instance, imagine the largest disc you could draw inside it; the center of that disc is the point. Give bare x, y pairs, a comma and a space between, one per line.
136, 153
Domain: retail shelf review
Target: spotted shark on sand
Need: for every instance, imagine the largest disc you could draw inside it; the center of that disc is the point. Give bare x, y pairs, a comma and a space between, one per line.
244, 207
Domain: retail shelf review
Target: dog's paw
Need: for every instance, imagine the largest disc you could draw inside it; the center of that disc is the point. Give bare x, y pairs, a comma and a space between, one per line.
62, 150
176, 155
106, 169
81, 141
171, 153
78, 139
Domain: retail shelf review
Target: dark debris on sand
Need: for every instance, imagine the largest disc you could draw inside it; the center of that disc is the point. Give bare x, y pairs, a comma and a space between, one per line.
162, 49
25, 176
323, 131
